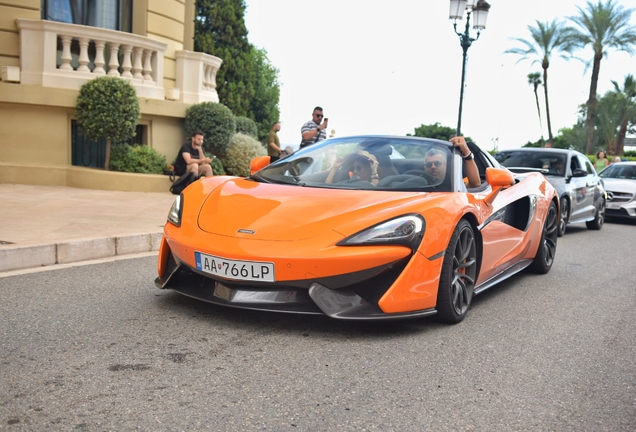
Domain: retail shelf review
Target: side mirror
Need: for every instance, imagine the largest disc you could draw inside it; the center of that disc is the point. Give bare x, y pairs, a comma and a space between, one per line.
498, 179
579, 173
258, 163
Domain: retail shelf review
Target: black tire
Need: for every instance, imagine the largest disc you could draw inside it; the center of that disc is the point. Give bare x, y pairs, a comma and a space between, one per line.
546, 251
459, 272
599, 218
565, 216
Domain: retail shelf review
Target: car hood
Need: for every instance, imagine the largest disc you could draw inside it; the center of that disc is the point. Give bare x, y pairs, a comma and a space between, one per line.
245, 209
620, 185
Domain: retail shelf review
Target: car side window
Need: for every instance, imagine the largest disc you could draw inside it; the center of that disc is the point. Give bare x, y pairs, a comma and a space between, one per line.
589, 167
574, 163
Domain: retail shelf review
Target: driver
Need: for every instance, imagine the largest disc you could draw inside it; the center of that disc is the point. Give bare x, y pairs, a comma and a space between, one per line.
557, 165
435, 163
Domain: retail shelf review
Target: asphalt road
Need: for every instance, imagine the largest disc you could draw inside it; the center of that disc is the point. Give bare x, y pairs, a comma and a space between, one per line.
100, 348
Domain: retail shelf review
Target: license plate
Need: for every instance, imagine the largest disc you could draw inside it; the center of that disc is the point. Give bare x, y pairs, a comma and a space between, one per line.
613, 206
237, 270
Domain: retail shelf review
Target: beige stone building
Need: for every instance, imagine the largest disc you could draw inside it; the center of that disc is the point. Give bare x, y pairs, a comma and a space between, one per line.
49, 48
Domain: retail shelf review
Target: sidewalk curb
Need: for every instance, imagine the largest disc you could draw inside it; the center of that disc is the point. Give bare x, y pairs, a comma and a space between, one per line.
24, 257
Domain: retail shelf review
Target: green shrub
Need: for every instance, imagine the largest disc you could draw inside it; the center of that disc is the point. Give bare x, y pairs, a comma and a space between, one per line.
217, 123
246, 126
243, 148
137, 159
217, 165
107, 107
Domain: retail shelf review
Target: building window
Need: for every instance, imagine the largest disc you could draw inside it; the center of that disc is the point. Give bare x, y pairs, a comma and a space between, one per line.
108, 14
87, 153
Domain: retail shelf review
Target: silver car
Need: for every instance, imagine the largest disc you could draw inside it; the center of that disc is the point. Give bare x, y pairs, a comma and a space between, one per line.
581, 191
620, 184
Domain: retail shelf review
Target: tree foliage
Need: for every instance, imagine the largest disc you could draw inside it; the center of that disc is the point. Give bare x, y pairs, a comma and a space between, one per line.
626, 99
606, 126
243, 148
137, 159
220, 31
545, 40
264, 104
217, 123
601, 26
436, 131
247, 82
247, 126
107, 107
534, 79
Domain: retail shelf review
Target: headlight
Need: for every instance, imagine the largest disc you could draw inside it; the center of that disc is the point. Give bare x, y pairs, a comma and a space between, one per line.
405, 230
174, 215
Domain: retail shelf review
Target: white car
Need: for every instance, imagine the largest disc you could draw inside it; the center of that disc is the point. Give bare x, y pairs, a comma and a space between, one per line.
620, 184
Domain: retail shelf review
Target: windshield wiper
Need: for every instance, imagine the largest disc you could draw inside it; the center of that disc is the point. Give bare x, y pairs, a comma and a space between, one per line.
293, 180
258, 178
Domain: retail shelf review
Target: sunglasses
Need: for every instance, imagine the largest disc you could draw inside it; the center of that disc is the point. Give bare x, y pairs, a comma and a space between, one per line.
319, 115
436, 164
357, 168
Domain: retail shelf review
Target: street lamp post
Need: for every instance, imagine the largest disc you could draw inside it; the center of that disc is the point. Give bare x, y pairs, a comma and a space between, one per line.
479, 8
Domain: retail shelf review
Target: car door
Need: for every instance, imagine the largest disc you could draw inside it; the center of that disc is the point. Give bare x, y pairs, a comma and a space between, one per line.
581, 190
505, 232
596, 188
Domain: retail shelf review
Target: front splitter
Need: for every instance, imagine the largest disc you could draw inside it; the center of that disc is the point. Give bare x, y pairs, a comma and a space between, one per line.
317, 300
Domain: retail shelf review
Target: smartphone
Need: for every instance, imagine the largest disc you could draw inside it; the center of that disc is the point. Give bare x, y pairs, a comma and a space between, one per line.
326, 120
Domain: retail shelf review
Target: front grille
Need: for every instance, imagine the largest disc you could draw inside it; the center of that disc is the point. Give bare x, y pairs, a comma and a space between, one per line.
620, 197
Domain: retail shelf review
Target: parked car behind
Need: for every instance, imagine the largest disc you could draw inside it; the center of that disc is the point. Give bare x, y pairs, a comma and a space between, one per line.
620, 183
581, 190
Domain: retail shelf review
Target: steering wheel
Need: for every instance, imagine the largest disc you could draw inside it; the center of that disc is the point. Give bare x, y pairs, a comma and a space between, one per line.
421, 173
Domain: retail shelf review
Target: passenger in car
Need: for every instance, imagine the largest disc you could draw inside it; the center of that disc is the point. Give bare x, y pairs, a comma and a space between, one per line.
361, 164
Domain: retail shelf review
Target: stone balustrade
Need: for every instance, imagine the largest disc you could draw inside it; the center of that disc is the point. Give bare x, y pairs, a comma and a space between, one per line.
129, 56
196, 76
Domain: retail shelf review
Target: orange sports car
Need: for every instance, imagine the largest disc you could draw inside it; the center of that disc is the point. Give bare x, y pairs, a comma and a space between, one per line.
359, 228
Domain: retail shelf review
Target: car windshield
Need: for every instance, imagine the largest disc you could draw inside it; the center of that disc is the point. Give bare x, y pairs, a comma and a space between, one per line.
524, 161
373, 163
619, 171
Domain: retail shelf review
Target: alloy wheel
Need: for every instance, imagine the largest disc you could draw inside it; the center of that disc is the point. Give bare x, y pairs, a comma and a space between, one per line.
464, 270
565, 210
550, 236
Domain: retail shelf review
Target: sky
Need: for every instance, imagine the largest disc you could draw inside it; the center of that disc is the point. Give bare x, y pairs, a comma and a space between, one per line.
379, 67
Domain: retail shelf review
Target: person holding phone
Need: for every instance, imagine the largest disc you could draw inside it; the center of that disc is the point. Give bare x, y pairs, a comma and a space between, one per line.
192, 159
315, 130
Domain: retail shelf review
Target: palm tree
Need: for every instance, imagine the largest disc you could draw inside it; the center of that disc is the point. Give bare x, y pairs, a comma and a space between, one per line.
534, 79
545, 39
627, 109
602, 26
607, 122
